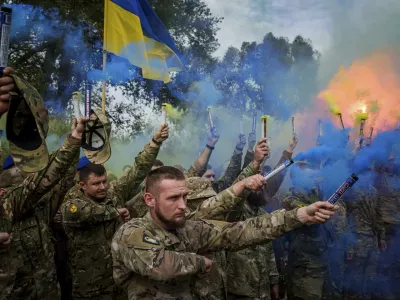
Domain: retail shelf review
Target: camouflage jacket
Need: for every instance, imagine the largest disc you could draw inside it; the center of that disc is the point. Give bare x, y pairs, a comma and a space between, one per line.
212, 285
307, 246
253, 270
364, 214
91, 225
27, 213
388, 189
152, 263
231, 173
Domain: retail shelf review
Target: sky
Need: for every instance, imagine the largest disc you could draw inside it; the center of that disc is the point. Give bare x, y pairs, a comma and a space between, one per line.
250, 20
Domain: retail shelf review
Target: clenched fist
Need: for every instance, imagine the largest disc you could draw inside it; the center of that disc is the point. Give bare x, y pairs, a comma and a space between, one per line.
161, 134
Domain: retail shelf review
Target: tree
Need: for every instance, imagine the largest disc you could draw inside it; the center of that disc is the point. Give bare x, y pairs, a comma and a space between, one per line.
61, 41
274, 76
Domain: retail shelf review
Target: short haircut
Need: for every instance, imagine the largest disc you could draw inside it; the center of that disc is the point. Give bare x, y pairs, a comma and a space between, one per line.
180, 168
97, 170
209, 167
158, 163
156, 176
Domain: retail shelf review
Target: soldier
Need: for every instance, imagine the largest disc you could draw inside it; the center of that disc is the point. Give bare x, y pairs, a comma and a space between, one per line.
307, 246
252, 272
91, 215
366, 224
156, 256
233, 169
205, 203
27, 264
387, 184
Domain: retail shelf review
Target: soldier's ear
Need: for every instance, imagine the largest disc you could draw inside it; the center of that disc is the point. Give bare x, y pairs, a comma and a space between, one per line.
149, 200
81, 185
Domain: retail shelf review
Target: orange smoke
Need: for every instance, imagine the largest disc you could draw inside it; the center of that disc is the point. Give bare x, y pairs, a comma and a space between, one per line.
368, 89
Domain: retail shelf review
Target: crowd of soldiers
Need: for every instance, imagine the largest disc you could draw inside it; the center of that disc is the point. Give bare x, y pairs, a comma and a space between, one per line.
67, 231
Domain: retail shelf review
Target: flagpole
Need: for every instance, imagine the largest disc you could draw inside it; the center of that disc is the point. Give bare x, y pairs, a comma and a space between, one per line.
104, 82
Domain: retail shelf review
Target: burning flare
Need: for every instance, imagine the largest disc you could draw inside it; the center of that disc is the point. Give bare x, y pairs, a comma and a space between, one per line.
368, 89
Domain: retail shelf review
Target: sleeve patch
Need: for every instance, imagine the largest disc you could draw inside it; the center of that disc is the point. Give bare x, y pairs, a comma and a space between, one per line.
148, 239
142, 239
73, 209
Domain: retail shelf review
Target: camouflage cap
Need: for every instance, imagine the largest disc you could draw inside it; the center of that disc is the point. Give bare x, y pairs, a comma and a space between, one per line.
26, 127
96, 141
199, 188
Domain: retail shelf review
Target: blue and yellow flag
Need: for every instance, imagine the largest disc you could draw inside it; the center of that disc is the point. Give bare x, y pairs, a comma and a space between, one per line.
133, 31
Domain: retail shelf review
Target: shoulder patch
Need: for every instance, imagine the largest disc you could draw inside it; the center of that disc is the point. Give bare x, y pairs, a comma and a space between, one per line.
141, 239
148, 239
73, 209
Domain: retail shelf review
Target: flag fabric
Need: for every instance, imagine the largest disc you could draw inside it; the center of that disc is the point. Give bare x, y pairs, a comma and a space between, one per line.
133, 31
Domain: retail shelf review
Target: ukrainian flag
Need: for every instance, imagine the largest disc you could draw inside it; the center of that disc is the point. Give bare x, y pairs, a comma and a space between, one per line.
133, 31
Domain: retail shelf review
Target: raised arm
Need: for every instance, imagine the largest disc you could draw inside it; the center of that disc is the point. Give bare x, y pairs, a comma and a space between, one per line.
261, 229
234, 167
199, 166
20, 201
250, 150
129, 183
218, 207
275, 182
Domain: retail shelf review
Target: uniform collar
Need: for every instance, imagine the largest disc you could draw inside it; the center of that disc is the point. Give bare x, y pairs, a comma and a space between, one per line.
169, 238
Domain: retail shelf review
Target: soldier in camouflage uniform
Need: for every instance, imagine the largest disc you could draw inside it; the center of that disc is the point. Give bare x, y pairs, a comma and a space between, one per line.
233, 169
137, 207
90, 221
253, 271
155, 257
366, 224
27, 265
307, 247
203, 202
387, 184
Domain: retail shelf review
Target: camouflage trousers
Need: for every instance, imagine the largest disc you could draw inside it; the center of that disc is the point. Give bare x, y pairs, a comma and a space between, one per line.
361, 271
306, 283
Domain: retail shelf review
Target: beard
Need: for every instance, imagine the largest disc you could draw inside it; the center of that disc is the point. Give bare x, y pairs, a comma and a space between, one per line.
172, 224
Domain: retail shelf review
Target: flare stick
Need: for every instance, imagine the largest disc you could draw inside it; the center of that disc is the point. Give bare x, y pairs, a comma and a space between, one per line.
264, 122
5, 26
320, 128
293, 127
164, 113
210, 120
88, 99
341, 120
241, 125
343, 188
253, 129
278, 169
76, 102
